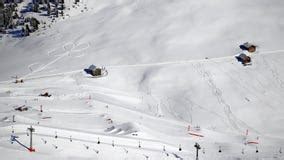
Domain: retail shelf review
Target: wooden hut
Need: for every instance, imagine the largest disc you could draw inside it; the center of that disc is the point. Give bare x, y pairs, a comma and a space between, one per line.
244, 59
248, 47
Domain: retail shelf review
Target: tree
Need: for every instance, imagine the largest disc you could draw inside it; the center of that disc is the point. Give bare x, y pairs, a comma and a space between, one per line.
48, 8
36, 7
34, 23
7, 15
56, 12
1, 4
15, 15
23, 32
27, 30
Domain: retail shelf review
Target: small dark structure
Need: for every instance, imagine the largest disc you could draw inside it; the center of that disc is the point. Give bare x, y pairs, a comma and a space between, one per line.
248, 47
46, 94
21, 108
197, 146
220, 150
244, 59
19, 81
96, 71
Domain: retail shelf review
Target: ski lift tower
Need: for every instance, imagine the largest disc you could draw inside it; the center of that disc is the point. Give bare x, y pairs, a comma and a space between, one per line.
197, 146
31, 129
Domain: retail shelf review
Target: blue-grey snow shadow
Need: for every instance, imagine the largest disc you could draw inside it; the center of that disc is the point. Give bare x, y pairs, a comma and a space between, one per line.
16, 33
27, 8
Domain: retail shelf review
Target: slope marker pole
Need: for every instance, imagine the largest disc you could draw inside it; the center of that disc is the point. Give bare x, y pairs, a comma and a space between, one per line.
31, 129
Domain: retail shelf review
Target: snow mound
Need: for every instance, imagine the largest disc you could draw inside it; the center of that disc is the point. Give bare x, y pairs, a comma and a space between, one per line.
122, 129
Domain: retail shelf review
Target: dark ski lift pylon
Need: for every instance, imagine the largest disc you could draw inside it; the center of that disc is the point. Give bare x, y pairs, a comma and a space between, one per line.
14, 139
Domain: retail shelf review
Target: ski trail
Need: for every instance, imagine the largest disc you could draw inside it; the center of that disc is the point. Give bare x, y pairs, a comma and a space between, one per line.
159, 63
48, 64
78, 48
218, 93
31, 66
121, 108
170, 62
274, 72
191, 61
238, 124
140, 65
193, 104
238, 80
271, 51
54, 75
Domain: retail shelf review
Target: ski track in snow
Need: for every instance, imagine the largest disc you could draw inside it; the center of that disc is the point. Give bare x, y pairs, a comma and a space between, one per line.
218, 93
232, 120
274, 72
50, 63
248, 89
238, 80
205, 74
31, 66
231, 58
236, 123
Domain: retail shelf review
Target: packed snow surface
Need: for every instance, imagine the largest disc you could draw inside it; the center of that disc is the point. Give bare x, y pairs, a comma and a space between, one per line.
173, 80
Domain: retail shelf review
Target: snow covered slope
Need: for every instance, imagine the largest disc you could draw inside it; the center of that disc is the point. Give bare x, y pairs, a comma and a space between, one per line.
171, 65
